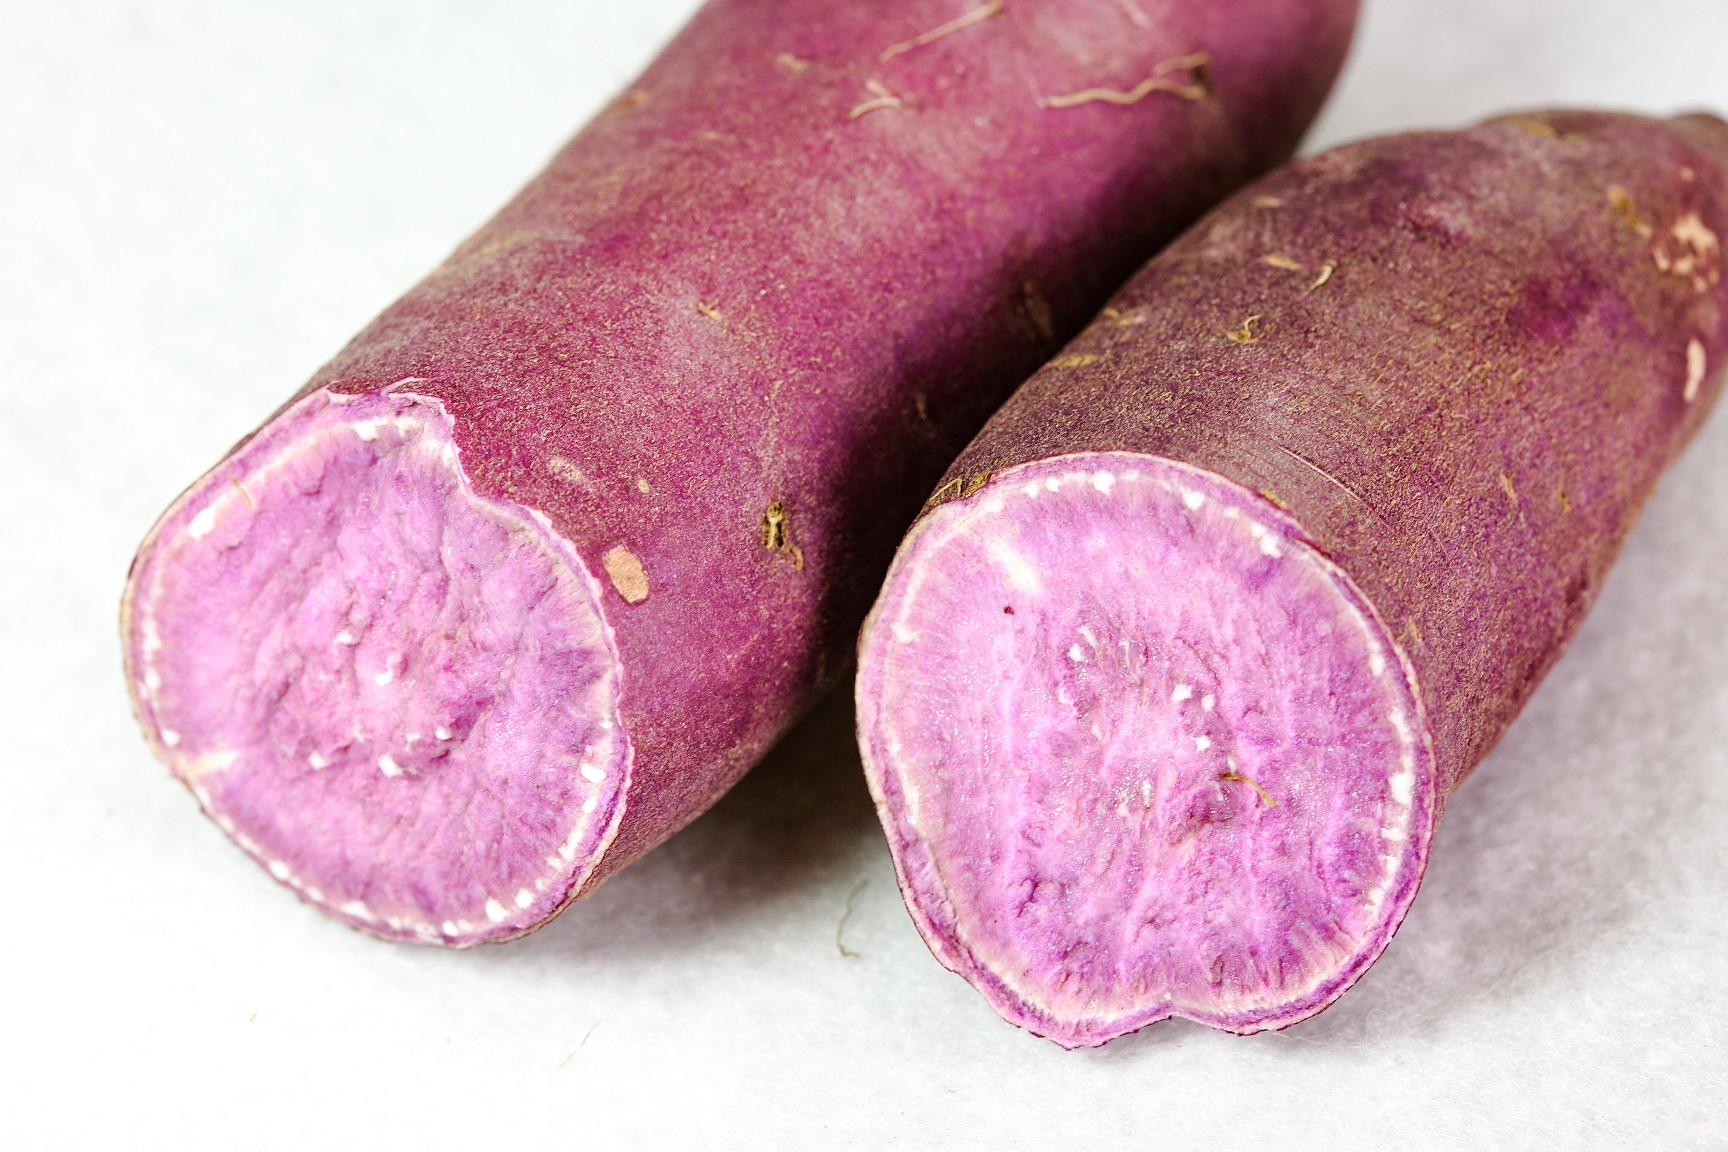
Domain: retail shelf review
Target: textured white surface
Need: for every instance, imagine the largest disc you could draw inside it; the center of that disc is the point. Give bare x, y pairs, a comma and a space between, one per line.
199, 202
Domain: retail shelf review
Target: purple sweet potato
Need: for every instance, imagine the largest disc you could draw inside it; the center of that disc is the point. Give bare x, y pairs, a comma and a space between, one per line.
1168, 686
537, 567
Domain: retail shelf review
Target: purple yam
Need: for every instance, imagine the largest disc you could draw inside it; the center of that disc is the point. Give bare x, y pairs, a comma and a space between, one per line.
1168, 686
546, 558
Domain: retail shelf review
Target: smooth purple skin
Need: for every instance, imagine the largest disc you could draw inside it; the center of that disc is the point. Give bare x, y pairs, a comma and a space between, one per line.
1141, 751
1456, 364
728, 339
397, 696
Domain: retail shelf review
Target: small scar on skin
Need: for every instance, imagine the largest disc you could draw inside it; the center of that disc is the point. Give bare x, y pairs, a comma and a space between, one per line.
1539, 128
1198, 65
792, 64
642, 484
631, 100
1244, 334
1268, 202
1077, 361
982, 12
1511, 493
1273, 500
1241, 779
242, 491
708, 310
1279, 260
777, 534
1326, 269
1413, 630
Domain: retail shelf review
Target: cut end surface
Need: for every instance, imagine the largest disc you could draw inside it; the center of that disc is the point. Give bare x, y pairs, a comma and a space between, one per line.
1141, 751
396, 695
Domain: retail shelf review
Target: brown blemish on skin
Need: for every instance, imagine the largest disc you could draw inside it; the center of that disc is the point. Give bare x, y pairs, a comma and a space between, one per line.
792, 64
1198, 65
1538, 128
880, 98
642, 485
1621, 201
708, 310
630, 101
983, 12
958, 488
1128, 319
1244, 334
777, 534
244, 496
1241, 779
629, 578
1268, 202
1326, 269
1279, 260
1077, 361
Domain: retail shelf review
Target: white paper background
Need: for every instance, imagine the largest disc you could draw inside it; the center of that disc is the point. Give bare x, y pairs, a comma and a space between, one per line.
199, 202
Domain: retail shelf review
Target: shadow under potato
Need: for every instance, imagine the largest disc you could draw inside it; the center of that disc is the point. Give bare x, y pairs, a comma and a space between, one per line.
799, 820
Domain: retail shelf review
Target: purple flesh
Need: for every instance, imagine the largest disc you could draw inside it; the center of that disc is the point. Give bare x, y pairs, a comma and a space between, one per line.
671, 411
399, 697
1144, 749
1419, 388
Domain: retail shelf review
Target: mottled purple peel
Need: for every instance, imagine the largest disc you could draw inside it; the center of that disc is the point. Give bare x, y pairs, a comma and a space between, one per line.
398, 696
1143, 751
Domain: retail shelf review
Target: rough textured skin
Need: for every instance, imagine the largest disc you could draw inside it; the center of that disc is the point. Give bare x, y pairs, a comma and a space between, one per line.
1456, 362
727, 340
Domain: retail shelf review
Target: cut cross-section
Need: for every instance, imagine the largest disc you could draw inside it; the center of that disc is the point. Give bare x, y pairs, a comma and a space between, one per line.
400, 697
1141, 751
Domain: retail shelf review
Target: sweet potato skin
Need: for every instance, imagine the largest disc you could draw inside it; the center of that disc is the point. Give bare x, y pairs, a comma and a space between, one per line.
727, 340
1455, 364
1459, 360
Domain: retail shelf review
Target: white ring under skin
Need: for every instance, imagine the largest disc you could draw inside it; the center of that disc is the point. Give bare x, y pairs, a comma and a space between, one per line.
1141, 751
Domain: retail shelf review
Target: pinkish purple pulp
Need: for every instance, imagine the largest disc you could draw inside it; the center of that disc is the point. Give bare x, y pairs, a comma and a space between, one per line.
1141, 751
397, 696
